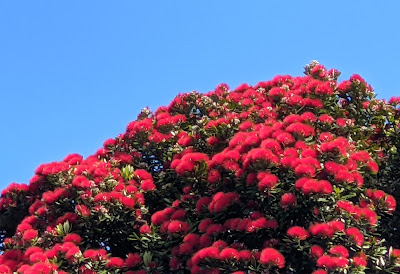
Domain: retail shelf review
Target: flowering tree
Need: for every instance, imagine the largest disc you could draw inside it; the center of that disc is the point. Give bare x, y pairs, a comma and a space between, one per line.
292, 175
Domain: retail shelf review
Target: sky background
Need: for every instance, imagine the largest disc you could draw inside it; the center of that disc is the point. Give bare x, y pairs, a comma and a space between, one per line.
75, 73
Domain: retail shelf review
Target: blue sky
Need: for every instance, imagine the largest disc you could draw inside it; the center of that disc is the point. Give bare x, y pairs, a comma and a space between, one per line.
74, 73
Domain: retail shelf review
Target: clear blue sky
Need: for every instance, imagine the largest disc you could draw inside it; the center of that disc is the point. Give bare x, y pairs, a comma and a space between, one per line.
74, 73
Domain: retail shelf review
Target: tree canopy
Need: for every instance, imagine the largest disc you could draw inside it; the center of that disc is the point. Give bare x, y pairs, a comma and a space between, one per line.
291, 175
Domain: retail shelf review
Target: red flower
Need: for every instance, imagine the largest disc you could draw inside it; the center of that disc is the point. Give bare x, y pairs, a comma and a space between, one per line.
192, 239
360, 156
298, 232
5, 269
252, 140
143, 174
208, 252
202, 204
265, 132
184, 140
230, 165
179, 227
115, 262
355, 235
373, 166
82, 210
229, 254
260, 154
205, 240
325, 118
14, 188
220, 244
158, 218
174, 263
396, 254
72, 237
212, 141
326, 261
316, 251
38, 257
357, 78
319, 271
232, 223
288, 200
304, 170
69, 216
102, 197
273, 224
251, 178
95, 254
341, 262
390, 203
30, 251
271, 144
322, 229
267, 181
23, 227
183, 167
273, 257
245, 255
147, 185
220, 201
133, 260
309, 153
337, 225
51, 253
214, 229
82, 182
145, 229
325, 137
360, 260
71, 253
309, 117
245, 125
301, 129
214, 176
127, 202
369, 215
257, 224
29, 235
285, 138
139, 198
243, 224
344, 86
185, 248
326, 187
311, 186
204, 224
300, 183
43, 268
49, 197
276, 92
109, 142
340, 251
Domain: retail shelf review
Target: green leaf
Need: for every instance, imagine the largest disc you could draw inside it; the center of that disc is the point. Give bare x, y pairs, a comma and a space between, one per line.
60, 230
147, 257
67, 227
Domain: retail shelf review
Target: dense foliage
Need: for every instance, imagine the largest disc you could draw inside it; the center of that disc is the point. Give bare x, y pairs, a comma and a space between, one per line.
292, 175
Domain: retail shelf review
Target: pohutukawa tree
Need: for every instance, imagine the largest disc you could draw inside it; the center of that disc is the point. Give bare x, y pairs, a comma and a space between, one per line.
292, 175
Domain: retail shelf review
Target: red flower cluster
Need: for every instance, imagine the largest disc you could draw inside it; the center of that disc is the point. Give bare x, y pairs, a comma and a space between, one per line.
298, 232
273, 257
327, 229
